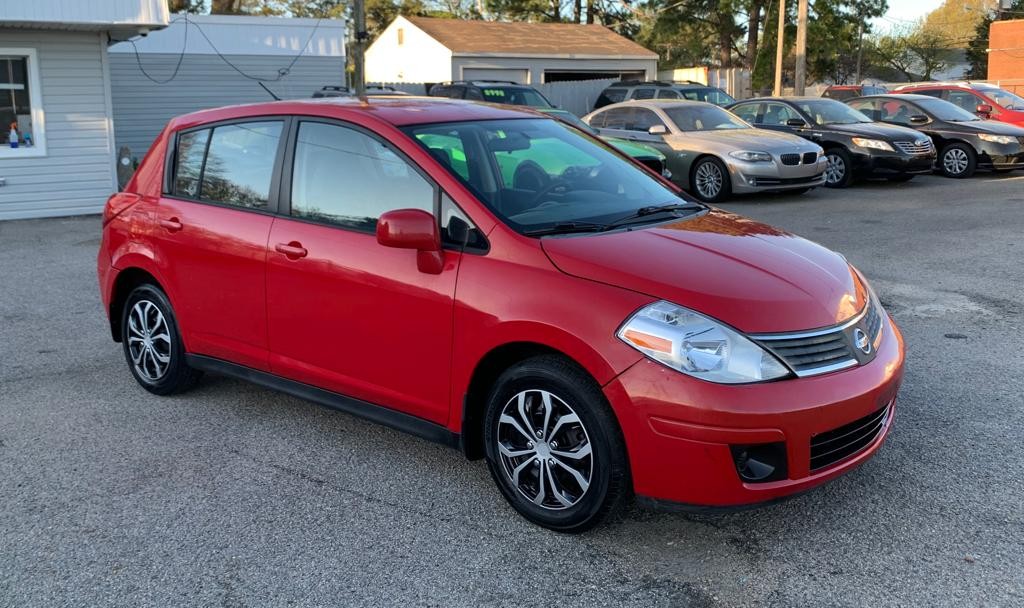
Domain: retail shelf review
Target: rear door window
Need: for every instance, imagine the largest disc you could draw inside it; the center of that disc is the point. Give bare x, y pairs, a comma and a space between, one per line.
240, 164
643, 93
667, 94
189, 163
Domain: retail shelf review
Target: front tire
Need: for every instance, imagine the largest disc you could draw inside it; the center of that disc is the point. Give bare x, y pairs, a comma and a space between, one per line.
839, 170
152, 343
958, 161
553, 445
710, 180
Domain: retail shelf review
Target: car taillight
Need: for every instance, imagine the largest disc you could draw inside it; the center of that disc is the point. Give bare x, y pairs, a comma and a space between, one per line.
118, 203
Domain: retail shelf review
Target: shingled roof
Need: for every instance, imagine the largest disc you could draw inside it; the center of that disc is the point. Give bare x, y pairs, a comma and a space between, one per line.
522, 38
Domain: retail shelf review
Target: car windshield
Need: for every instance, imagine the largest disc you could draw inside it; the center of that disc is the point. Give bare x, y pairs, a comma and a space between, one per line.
831, 112
944, 110
517, 96
698, 117
1005, 99
538, 174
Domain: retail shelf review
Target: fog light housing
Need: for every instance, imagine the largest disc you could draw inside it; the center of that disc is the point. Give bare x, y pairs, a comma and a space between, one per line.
760, 462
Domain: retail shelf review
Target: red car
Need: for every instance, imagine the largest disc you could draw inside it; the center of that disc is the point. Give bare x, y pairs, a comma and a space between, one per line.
986, 100
501, 283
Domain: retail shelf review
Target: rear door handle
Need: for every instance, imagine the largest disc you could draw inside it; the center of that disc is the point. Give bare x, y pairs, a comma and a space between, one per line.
171, 225
293, 250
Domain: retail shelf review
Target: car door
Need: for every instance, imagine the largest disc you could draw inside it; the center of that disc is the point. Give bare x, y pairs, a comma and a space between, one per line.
213, 222
344, 312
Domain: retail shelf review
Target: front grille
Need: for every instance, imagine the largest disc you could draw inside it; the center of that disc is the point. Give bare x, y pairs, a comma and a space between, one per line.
790, 159
653, 164
830, 349
810, 158
833, 446
814, 352
913, 147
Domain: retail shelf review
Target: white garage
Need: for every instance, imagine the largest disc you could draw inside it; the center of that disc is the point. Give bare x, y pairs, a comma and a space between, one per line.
430, 50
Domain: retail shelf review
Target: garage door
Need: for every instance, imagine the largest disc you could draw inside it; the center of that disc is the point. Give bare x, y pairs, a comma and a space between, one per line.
519, 75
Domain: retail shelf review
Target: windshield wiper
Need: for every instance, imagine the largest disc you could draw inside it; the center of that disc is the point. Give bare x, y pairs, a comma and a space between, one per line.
567, 228
655, 210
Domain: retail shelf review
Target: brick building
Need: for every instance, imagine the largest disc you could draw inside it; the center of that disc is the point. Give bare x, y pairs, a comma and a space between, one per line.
1006, 54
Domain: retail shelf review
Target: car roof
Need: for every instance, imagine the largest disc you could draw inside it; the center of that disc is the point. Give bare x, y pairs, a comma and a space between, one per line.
896, 96
659, 103
791, 99
398, 110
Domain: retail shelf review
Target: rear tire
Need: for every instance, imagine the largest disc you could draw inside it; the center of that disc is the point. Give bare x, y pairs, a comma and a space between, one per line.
554, 447
710, 181
152, 343
958, 161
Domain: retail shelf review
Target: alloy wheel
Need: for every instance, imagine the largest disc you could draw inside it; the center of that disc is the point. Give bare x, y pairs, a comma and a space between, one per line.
149, 341
708, 180
955, 161
835, 170
545, 450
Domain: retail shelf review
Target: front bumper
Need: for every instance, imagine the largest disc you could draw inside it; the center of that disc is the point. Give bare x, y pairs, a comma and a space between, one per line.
1001, 156
680, 431
774, 176
889, 163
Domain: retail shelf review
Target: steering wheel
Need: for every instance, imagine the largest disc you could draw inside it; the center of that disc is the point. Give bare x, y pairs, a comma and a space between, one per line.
555, 184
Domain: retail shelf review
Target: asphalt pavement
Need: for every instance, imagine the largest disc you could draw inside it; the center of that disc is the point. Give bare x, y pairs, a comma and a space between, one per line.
233, 495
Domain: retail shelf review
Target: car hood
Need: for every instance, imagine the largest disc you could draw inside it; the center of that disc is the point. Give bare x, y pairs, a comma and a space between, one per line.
743, 139
749, 275
993, 126
878, 130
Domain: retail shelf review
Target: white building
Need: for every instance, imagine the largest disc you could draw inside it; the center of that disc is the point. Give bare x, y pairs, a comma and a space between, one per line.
55, 89
429, 50
292, 57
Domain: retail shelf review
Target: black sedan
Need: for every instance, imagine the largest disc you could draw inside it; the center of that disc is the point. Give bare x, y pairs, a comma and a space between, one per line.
965, 142
854, 144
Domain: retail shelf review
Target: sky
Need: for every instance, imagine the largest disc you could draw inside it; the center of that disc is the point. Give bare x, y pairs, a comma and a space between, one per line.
905, 12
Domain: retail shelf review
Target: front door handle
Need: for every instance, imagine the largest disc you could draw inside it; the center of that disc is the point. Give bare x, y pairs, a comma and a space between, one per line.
293, 250
171, 225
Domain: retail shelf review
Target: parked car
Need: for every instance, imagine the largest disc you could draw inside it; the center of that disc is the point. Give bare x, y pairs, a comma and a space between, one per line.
711, 152
657, 89
575, 321
964, 141
341, 91
986, 100
644, 154
494, 91
849, 91
854, 144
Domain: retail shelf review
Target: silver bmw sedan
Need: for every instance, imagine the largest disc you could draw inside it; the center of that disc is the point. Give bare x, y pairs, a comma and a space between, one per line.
711, 152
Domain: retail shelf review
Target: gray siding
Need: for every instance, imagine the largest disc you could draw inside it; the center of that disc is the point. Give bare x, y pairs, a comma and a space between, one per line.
76, 175
142, 107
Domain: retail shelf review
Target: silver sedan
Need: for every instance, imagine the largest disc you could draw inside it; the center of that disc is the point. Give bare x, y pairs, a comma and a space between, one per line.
711, 152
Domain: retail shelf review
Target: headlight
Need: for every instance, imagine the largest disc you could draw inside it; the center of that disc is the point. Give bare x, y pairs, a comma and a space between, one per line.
698, 346
752, 157
997, 139
874, 144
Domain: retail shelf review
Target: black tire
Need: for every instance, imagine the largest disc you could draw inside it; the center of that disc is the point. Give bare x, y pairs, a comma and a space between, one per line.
147, 315
570, 391
707, 169
900, 178
958, 161
839, 173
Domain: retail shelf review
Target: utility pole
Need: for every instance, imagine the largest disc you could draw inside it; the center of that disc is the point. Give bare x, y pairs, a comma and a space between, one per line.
800, 78
780, 44
358, 72
860, 47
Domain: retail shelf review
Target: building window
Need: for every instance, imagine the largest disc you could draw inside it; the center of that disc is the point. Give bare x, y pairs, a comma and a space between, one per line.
401, 36
21, 115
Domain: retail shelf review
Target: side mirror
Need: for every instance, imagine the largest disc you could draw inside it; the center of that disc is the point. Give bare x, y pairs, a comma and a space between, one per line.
413, 229
657, 130
984, 108
918, 119
796, 122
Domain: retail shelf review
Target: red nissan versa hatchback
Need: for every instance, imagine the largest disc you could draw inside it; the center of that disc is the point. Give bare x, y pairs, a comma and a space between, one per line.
497, 281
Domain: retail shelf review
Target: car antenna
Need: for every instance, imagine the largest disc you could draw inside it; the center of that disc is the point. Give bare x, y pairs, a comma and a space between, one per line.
269, 92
